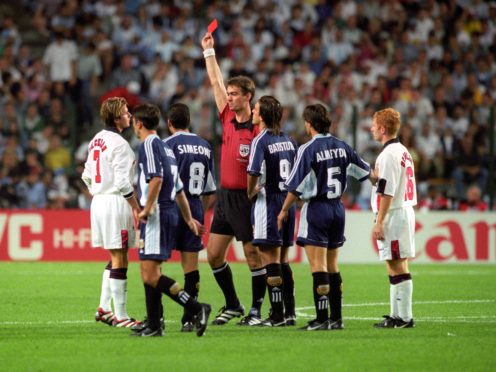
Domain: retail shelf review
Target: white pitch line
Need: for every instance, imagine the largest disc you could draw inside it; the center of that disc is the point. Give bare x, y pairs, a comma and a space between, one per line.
365, 304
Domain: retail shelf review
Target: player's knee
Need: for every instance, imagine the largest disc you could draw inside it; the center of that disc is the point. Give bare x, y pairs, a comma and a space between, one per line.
274, 281
323, 289
215, 259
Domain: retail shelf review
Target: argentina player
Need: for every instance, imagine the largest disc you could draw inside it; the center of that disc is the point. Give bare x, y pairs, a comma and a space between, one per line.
271, 160
195, 164
319, 178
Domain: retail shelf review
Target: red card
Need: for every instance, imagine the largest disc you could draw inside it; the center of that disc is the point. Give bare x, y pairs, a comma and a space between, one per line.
212, 26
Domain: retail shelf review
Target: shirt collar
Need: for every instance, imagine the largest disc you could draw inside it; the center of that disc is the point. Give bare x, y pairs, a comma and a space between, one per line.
244, 125
394, 140
113, 129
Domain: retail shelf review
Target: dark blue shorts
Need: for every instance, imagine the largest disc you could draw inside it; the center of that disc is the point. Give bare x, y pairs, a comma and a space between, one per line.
264, 214
186, 241
158, 235
322, 224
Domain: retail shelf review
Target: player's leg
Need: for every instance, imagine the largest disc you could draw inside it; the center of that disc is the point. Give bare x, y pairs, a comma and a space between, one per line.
271, 256
172, 289
104, 312
221, 235
335, 289
189, 262
150, 273
401, 280
287, 274
317, 257
258, 284
240, 217
398, 245
288, 288
118, 287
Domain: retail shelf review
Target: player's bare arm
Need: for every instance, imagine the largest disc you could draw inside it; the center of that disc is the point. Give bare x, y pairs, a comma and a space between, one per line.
378, 229
283, 214
154, 187
252, 188
214, 73
183, 205
207, 201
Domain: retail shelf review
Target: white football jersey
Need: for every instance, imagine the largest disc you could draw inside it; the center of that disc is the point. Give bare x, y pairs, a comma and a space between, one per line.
109, 168
396, 173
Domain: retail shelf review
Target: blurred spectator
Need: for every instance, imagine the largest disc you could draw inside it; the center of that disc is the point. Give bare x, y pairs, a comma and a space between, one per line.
31, 191
60, 60
57, 157
473, 201
469, 166
434, 201
89, 70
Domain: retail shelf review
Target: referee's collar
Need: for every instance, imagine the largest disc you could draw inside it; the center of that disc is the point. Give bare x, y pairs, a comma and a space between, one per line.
244, 125
394, 140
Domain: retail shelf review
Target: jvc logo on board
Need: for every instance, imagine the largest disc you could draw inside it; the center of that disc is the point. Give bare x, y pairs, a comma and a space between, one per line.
26, 237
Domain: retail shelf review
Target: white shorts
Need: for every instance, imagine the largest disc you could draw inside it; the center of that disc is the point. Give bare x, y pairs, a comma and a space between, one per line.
112, 224
399, 230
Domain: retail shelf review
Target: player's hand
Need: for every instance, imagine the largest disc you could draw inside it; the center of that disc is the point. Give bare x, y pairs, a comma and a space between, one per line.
281, 218
378, 232
207, 41
143, 216
136, 219
196, 227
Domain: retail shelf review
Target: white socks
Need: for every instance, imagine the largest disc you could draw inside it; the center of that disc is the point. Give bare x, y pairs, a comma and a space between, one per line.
403, 301
118, 288
105, 294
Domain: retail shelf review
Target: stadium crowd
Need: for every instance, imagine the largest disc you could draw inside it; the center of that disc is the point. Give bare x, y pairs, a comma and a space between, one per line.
433, 61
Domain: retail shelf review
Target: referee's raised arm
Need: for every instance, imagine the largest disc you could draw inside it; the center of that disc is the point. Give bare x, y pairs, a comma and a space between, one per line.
213, 71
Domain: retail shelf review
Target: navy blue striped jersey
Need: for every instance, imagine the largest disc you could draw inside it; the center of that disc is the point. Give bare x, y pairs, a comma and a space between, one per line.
271, 158
156, 159
194, 157
321, 168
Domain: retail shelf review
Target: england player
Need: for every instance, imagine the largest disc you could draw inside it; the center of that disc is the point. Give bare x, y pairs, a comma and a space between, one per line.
158, 188
319, 178
393, 199
108, 174
272, 157
232, 210
196, 166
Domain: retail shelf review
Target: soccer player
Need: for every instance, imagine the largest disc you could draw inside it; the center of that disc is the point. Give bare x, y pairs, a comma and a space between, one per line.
232, 210
393, 199
319, 178
194, 158
158, 187
108, 174
272, 157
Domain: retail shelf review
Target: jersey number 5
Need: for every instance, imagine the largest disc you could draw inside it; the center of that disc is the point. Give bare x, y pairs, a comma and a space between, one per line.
333, 183
409, 187
96, 158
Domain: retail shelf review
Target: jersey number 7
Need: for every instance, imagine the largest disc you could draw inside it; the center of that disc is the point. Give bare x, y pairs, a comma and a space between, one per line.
96, 158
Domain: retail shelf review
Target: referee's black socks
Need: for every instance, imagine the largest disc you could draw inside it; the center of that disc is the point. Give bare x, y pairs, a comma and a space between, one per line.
224, 278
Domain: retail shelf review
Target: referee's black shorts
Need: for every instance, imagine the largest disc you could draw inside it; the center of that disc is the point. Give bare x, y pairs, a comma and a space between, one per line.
232, 215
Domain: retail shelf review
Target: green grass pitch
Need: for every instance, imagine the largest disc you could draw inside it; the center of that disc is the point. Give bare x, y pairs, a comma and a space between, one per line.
47, 324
